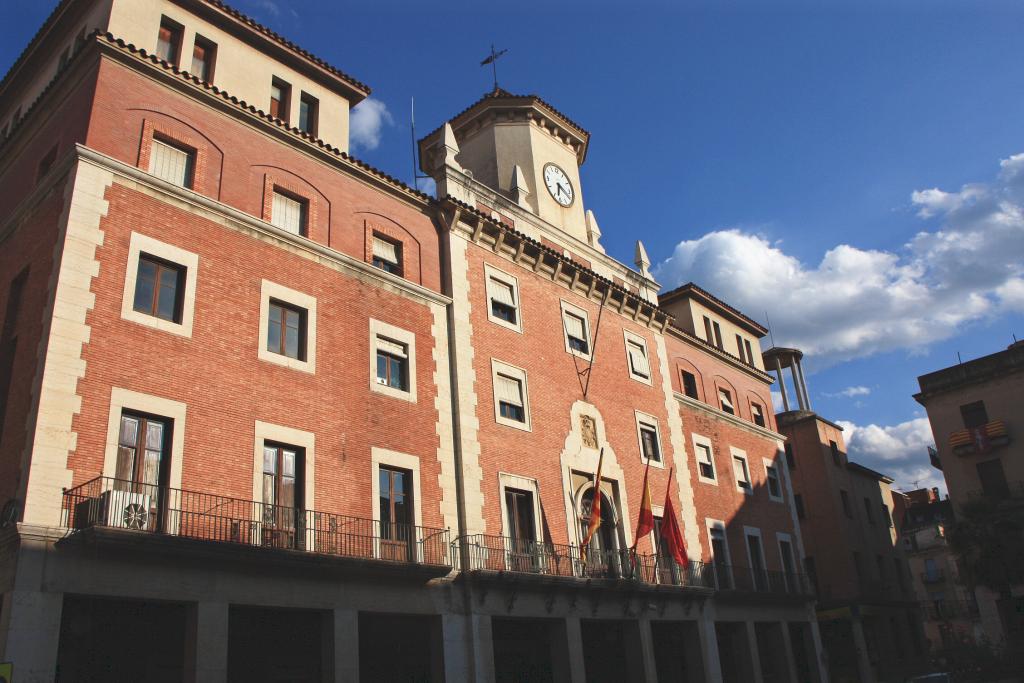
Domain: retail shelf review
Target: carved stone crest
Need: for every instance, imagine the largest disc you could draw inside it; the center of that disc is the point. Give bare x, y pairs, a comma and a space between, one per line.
588, 431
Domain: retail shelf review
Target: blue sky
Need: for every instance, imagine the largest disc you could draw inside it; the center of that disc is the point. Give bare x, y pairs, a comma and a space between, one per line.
771, 156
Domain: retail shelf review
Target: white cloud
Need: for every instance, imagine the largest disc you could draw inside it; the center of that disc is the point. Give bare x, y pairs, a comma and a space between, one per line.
899, 451
856, 302
367, 122
849, 392
427, 186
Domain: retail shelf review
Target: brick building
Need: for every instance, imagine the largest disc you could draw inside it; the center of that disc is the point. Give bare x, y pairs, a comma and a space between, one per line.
869, 618
269, 413
975, 413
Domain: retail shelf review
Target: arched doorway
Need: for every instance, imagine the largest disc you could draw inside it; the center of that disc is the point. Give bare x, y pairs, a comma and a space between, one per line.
602, 556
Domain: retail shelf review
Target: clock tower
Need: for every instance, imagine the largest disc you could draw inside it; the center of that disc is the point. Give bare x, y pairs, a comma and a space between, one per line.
522, 149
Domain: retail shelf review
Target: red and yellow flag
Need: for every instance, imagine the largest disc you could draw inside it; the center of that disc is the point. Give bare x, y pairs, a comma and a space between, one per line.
671, 535
595, 503
645, 523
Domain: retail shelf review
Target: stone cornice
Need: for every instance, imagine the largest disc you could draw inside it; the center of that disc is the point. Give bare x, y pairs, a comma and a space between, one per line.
488, 233
233, 218
732, 419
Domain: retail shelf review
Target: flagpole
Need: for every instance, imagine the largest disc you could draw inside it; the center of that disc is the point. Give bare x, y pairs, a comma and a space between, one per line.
643, 493
657, 538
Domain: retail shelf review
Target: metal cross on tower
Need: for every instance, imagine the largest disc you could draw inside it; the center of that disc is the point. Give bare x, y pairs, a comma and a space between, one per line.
492, 59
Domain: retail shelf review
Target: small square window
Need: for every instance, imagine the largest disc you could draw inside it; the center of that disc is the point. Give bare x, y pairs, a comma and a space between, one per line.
387, 255
689, 384
204, 53
168, 42
289, 213
392, 364
757, 413
172, 163
286, 330
576, 333
309, 114
725, 399
158, 288
739, 467
280, 99
502, 298
705, 463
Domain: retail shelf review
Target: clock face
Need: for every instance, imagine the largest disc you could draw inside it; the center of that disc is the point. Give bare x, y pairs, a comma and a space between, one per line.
558, 184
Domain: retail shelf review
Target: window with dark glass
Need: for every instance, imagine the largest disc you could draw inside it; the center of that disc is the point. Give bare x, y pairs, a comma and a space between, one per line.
993, 479
286, 330
790, 460
387, 255
867, 511
757, 413
774, 488
689, 384
718, 334
739, 466
750, 352
158, 288
509, 392
705, 462
520, 515
974, 414
756, 560
168, 42
141, 446
786, 551
282, 493
396, 512
309, 114
392, 364
576, 332
46, 163
280, 99
845, 499
886, 515
837, 459
720, 557
649, 442
503, 301
204, 54
709, 333
9, 342
740, 350
798, 503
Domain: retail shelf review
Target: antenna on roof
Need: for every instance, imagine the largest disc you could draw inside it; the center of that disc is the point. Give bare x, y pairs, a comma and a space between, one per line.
959, 359
771, 336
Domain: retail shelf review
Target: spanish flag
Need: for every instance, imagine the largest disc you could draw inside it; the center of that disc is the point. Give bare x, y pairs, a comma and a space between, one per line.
595, 504
645, 523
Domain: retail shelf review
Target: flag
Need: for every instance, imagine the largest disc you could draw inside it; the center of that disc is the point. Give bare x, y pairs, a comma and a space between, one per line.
595, 504
645, 523
671, 535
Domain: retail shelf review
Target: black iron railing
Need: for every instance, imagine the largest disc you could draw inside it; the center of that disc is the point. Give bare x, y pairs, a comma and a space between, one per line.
933, 577
504, 554
938, 610
115, 503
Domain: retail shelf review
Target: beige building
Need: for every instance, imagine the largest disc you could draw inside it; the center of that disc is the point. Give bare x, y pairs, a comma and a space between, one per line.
976, 418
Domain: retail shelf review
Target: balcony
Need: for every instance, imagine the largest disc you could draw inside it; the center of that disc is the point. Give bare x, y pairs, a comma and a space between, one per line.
938, 576
500, 556
979, 440
116, 511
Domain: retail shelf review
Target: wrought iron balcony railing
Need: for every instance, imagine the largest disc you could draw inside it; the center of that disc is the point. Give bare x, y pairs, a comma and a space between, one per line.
939, 610
143, 508
504, 554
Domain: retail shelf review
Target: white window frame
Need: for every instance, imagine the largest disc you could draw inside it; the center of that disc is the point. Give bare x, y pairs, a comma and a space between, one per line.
700, 440
718, 525
567, 307
646, 420
722, 392
498, 367
271, 290
133, 401
742, 455
635, 339
493, 274
778, 476
302, 206
395, 245
140, 244
764, 418
380, 329
779, 538
405, 461
515, 481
